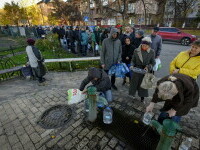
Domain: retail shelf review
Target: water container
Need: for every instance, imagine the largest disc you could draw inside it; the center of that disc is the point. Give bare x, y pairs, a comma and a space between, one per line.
86, 105
185, 145
147, 118
138, 70
107, 115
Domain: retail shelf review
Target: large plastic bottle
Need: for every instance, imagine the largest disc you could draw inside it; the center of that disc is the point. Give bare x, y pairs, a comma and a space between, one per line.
107, 115
138, 70
87, 105
147, 118
185, 145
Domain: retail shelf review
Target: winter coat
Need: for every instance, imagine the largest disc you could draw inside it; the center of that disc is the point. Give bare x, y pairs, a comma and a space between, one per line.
61, 33
84, 38
102, 84
141, 59
77, 35
156, 44
104, 36
71, 35
137, 41
96, 36
188, 65
187, 97
127, 51
111, 51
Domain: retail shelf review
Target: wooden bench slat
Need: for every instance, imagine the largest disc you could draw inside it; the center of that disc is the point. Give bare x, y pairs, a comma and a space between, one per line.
71, 59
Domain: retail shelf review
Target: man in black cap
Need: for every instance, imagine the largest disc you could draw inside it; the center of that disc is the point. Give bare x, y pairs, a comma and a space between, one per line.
156, 44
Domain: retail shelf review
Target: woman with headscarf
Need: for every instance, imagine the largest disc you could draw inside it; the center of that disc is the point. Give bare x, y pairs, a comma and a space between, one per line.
127, 53
36, 61
179, 92
143, 58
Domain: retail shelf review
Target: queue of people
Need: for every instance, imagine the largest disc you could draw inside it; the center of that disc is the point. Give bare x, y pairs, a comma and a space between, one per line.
178, 90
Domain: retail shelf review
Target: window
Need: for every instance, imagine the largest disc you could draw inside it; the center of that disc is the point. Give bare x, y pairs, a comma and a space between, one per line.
173, 30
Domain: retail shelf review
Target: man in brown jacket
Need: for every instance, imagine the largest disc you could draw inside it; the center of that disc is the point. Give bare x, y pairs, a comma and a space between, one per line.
180, 93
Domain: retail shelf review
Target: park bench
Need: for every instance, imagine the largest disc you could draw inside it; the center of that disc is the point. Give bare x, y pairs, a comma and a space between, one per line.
70, 60
8, 68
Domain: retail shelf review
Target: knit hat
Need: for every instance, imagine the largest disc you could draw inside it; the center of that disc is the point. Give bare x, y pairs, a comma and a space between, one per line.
156, 29
30, 41
146, 40
140, 32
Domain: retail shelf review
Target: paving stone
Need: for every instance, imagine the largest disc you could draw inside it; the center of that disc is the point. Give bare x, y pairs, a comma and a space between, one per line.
46, 133
64, 140
13, 139
53, 141
119, 148
29, 146
35, 137
83, 143
76, 131
103, 142
25, 122
93, 143
107, 148
3, 140
6, 147
43, 148
29, 129
92, 133
101, 134
17, 146
83, 133
19, 130
66, 131
77, 123
72, 143
24, 138
113, 142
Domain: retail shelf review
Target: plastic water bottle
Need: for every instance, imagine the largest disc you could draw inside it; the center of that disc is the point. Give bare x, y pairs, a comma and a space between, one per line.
107, 115
185, 145
87, 105
138, 70
147, 118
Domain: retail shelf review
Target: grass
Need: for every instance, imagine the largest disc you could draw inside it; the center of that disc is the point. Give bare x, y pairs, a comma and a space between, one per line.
7, 52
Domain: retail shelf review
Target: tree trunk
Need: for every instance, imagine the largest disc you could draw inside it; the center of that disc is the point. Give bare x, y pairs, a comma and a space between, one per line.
145, 11
161, 11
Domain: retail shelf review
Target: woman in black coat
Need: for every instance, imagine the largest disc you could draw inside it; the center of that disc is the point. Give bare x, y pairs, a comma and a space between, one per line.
127, 53
138, 38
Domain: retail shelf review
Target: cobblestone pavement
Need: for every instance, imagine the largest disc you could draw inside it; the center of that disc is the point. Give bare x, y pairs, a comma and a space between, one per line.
22, 102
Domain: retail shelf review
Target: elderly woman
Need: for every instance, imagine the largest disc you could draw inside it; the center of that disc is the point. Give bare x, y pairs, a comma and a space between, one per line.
187, 62
180, 93
143, 58
36, 61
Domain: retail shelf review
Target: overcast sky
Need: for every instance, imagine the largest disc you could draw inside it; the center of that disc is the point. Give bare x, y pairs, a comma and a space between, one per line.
2, 2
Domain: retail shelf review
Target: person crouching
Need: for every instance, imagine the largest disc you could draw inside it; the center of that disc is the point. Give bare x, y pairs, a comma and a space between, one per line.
99, 79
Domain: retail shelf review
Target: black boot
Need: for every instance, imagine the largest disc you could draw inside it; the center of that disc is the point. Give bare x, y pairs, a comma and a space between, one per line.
114, 87
142, 99
124, 81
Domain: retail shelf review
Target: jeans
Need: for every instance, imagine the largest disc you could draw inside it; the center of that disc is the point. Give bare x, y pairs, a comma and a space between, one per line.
164, 115
107, 95
84, 50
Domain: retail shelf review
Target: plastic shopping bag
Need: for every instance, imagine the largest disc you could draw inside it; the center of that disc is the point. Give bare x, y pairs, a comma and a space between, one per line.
158, 65
96, 47
119, 70
75, 96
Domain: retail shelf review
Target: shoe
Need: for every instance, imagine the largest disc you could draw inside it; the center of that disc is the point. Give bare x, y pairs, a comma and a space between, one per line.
42, 84
124, 82
142, 99
114, 87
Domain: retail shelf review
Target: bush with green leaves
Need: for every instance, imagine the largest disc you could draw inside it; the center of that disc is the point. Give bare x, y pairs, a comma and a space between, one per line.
49, 43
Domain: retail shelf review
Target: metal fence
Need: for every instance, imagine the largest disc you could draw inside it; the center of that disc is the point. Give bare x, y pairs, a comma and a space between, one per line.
19, 31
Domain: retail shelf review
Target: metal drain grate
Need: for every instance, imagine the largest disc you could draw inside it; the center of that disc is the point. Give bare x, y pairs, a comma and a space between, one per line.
124, 128
56, 116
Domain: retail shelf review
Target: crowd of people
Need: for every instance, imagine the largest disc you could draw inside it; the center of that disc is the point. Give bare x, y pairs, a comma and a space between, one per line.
179, 89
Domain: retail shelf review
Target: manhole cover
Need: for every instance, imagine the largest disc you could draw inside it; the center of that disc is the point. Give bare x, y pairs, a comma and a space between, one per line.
56, 116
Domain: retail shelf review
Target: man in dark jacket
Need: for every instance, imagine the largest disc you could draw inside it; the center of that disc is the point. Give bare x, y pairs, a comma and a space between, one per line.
111, 53
180, 93
100, 80
71, 36
156, 44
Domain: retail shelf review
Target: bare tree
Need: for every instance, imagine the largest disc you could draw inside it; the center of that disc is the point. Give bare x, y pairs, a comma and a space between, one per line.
161, 11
